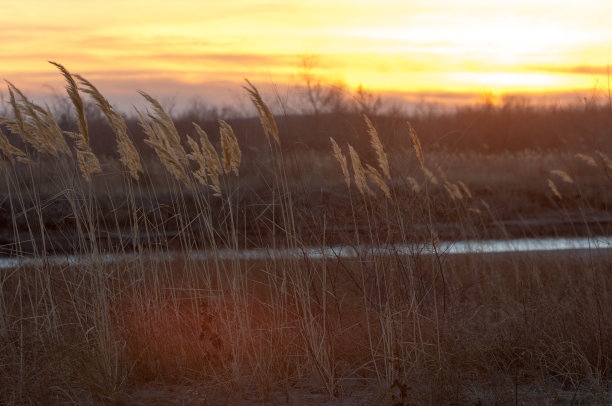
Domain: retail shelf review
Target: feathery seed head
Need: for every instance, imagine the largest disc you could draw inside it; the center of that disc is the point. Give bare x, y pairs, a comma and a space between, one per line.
414, 185
128, 154
416, 143
429, 175
587, 159
265, 115
553, 189
465, 189
606, 160
377, 145
341, 158
378, 179
231, 149
564, 176
75, 98
359, 173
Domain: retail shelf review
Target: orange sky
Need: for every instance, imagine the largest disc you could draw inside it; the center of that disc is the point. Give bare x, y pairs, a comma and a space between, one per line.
184, 48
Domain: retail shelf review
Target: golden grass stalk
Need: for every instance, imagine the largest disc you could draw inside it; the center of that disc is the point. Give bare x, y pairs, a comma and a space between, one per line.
378, 179
19, 125
77, 102
587, 159
230, 147
606, 160
453, 190
465, 189
416, 143
265, 115
429, 175
164, 128
128, 154
564, 176
359, 173
87, 160
35, 125
10, 151
197, 156
485, 204
213, 164
341, 158
553, 189
441, 174
414, 185
161, 145
383, 162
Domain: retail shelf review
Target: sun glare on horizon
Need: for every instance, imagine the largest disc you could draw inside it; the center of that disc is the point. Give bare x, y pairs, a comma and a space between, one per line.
387, 46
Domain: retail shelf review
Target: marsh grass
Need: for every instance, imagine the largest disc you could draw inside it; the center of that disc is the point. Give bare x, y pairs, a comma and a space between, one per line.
395, 329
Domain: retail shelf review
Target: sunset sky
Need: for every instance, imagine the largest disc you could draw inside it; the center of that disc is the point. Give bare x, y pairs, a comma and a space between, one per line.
427, 49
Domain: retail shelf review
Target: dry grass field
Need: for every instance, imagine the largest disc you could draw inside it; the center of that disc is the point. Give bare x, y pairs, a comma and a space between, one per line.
162, 326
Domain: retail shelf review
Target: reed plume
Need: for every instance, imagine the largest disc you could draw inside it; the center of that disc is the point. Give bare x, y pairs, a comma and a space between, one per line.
341, 158
77, 102
564, 176
35, 125
10, 151
414, 185
383, 162
587, 159
230, 147
429, 175
441, 174
453, 190
128, 154
465, 189
553, 188
87, 160
197, 156
359, 173
606, 160
157, 139
265, 115
417, 146
213, 164
379, 180
165, 129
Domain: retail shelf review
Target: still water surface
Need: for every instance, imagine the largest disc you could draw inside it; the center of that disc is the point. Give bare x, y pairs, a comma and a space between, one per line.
443, 248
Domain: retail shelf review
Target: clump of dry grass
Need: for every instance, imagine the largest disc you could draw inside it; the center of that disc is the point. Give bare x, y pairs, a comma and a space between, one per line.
430, 326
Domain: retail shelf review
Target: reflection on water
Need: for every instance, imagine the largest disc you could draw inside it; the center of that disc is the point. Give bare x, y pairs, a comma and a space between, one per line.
443, 248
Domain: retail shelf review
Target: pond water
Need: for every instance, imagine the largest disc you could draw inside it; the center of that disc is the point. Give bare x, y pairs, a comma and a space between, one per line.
443, 248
